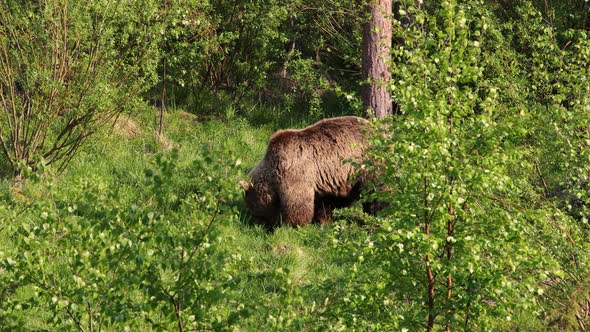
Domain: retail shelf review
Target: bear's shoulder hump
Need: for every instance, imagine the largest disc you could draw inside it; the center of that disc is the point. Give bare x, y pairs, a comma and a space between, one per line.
283, 137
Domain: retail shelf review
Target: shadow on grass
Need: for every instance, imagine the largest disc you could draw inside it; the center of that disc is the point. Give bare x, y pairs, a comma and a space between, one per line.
6, 169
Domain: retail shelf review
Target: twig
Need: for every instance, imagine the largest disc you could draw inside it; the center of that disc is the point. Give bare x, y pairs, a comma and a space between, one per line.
196, 248
542, 180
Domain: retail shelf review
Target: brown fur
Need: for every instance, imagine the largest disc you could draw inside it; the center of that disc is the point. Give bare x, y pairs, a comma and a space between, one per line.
304, 174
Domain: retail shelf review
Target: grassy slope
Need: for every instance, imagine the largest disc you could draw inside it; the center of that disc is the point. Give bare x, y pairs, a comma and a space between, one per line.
287, 274
302, 257
267, 267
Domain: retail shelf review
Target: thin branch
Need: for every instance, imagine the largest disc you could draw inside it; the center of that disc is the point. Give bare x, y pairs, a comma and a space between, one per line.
76, 320
196, 248
545, 188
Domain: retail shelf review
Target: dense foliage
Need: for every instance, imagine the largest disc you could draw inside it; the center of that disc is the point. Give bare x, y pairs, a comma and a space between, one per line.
66, 68
293, 53
484, 169
467, 165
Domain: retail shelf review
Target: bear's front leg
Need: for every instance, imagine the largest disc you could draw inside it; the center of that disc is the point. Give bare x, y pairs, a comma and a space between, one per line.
297, 207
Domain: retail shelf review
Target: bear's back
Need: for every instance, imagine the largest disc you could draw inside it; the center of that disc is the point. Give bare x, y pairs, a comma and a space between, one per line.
320, 147
345, 129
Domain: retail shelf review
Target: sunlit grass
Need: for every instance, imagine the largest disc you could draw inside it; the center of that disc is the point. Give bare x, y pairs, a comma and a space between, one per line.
290, 272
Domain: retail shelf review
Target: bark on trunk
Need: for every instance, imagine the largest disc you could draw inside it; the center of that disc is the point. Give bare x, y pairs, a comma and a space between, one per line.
377, 58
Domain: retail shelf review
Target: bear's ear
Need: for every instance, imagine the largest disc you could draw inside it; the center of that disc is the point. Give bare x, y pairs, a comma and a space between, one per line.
245, 185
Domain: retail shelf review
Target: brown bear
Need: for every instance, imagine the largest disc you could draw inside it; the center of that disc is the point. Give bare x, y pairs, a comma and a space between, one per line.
306, 173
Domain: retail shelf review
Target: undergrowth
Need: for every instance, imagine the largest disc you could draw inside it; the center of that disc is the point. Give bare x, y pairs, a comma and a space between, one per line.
147, 233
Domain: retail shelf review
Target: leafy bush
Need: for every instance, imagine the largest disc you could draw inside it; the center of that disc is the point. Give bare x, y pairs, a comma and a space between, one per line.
463, 244
96, 263
68, 67
292, 54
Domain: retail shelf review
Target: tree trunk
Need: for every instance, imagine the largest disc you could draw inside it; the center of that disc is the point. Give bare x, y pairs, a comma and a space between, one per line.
377, 58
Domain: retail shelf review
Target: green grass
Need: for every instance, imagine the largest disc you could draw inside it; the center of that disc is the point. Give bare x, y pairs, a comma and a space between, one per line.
289, 279
266, 268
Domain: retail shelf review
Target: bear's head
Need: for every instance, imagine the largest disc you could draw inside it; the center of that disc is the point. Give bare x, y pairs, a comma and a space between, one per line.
262, 202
